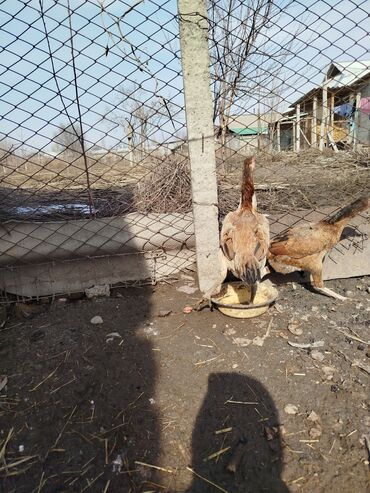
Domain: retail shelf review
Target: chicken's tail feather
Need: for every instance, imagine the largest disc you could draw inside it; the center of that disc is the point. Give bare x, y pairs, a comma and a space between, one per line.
251, 272
349, 211
247, 190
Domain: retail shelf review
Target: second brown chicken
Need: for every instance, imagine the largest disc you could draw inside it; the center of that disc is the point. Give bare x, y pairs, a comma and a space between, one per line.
303, 248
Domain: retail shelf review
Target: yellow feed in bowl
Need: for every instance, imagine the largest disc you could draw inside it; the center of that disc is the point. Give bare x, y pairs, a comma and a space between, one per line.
237, 293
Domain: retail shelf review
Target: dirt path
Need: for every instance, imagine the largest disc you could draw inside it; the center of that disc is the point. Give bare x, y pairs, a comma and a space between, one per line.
143, 403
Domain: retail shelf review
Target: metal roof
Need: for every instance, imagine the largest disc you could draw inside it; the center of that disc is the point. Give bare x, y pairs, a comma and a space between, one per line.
344, 74
249, 131
339, 75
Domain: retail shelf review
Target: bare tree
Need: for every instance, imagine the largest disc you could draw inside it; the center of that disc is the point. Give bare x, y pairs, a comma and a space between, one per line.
246, 65
6, 150
68, 139
141, 115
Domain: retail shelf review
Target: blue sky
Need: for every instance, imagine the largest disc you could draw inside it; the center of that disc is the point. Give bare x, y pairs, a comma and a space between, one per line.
31, 109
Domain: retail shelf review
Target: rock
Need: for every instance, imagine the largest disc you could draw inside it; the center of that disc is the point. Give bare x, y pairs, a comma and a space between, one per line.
242, 341
114, 334
328, 372
315, 432
313, 417
96, 320
187, 289
150, 331
308, 345
117, 464
291, 409
315, 309
317, 355
187, 309
164, 313
294, 328
368, 289
230, 332
62, 301
98, 290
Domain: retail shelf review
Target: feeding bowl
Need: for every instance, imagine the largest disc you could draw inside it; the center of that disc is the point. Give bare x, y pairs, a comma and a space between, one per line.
234, 297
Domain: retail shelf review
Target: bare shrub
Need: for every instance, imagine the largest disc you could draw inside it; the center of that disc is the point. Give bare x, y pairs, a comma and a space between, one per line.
167, 188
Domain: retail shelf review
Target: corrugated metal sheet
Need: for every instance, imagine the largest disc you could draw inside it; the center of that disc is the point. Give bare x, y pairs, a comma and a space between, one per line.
249, 131
344, 74
347, 73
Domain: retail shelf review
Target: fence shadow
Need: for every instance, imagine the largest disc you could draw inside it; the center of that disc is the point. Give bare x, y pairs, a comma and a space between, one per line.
257, 425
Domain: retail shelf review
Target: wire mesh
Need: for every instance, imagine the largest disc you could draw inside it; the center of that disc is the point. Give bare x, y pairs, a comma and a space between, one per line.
93, 141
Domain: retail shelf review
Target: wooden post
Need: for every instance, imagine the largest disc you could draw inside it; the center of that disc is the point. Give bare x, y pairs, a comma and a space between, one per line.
331, 117
199, 119
314, 123
298, 128
293, 134
324, 116
356, 122
259, 128
129, 135
278, 141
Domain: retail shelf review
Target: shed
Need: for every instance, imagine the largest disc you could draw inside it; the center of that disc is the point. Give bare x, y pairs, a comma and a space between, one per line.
334, 114
250, 131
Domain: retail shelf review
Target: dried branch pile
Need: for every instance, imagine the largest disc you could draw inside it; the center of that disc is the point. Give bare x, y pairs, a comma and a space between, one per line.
166, 189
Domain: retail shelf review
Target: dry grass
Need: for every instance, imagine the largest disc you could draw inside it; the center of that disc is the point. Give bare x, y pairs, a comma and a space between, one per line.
284, 181
287, 181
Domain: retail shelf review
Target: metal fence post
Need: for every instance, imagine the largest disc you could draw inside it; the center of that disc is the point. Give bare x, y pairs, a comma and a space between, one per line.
199, 118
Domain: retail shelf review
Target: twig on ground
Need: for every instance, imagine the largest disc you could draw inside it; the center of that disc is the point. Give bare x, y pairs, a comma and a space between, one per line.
207, 480
62, 431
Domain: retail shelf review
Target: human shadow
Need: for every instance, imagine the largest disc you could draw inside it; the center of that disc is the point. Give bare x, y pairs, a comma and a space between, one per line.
238, 418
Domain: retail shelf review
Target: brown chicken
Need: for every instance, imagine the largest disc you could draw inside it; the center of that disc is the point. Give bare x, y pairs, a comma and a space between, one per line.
244, 238
304, 247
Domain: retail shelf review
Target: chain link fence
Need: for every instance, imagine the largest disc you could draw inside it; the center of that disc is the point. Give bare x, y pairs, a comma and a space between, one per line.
95, 178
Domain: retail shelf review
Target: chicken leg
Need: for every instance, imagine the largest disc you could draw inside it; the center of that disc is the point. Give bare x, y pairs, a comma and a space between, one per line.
318, 285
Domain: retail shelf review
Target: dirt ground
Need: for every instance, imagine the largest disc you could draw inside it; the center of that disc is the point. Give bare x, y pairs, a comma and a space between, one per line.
149, 403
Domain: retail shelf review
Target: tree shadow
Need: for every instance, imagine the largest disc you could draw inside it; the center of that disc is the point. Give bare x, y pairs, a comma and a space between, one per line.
251, 431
